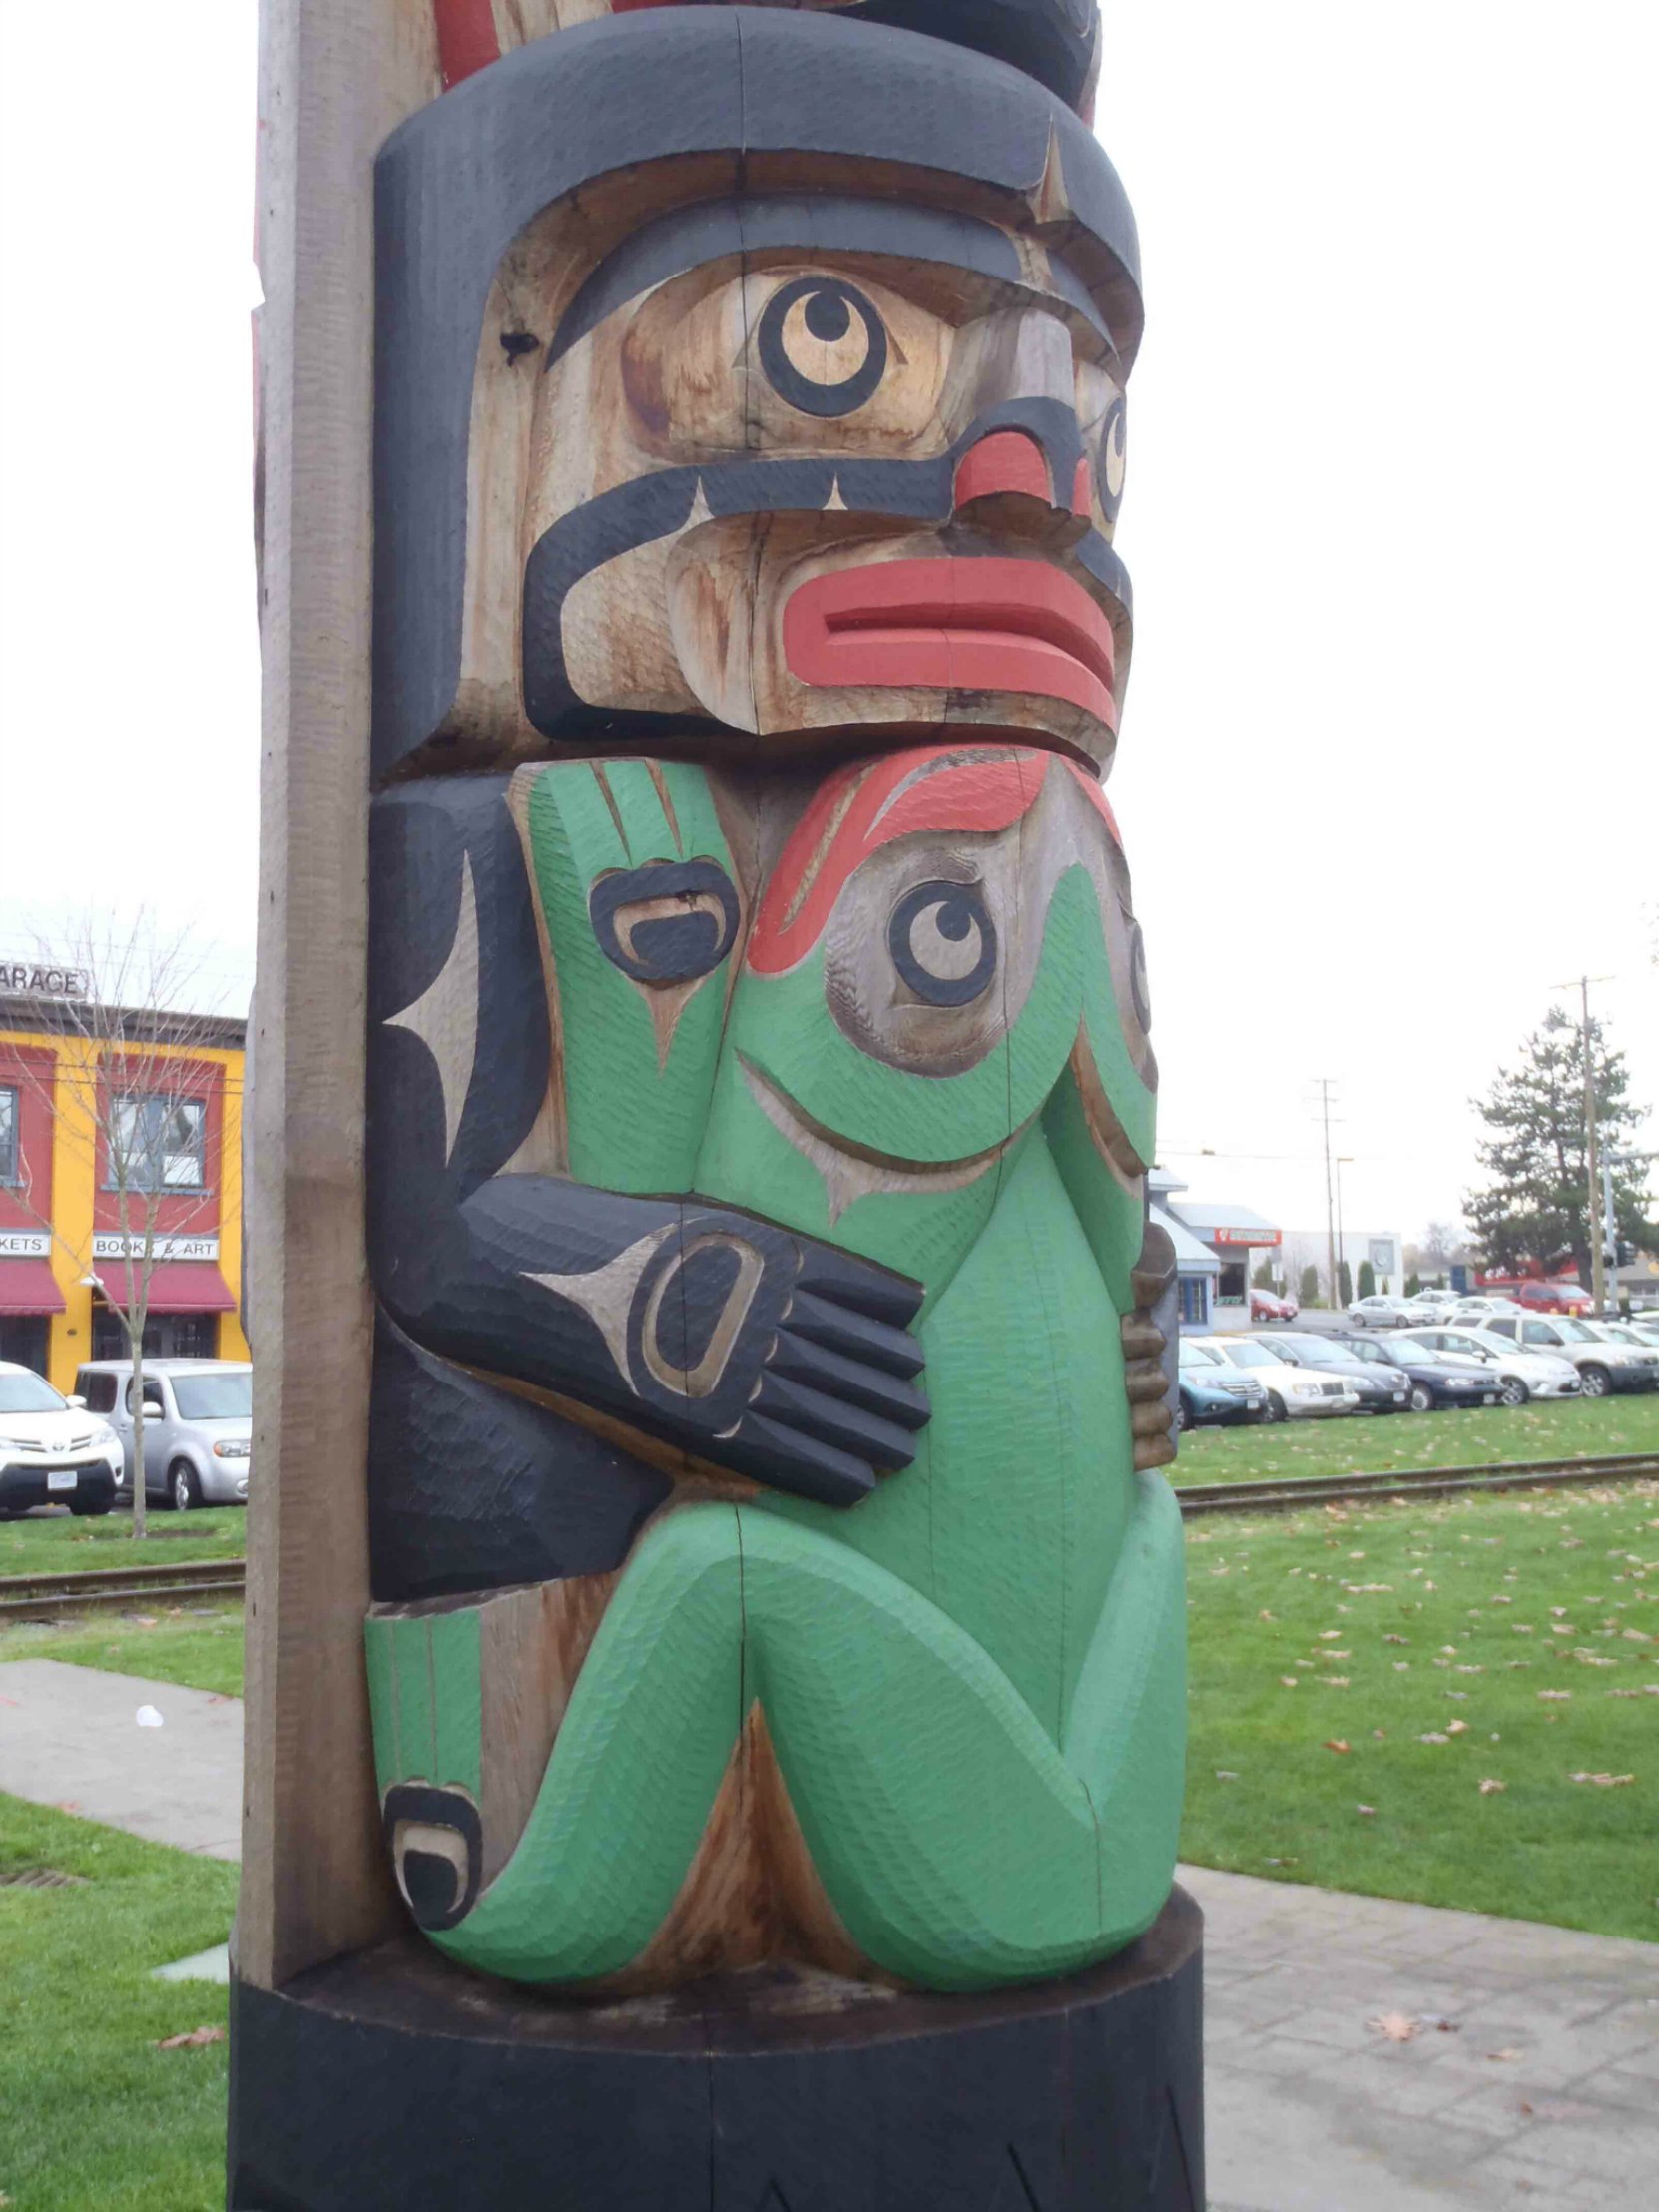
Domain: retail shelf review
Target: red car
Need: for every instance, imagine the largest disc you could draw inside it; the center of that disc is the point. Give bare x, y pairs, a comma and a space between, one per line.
1553, 1298
1269, 1305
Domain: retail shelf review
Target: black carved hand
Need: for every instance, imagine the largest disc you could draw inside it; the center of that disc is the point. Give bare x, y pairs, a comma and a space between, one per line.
784, 1358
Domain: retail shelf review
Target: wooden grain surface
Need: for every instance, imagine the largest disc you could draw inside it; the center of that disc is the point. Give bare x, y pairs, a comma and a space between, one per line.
334, 77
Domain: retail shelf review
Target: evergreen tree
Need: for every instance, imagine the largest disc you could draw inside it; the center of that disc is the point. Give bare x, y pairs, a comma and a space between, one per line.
1368, 1278
1309, 1293
1345, 1284
1534, 1204
1261, 1280
1414, 1284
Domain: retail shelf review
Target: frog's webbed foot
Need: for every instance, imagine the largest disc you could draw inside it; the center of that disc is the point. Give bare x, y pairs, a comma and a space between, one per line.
1148, 1340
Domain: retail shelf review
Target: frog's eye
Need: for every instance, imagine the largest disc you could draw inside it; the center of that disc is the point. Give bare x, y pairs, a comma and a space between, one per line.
944, 943
823, 345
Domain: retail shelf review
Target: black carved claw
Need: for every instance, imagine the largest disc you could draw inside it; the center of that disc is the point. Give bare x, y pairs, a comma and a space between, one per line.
779, 1358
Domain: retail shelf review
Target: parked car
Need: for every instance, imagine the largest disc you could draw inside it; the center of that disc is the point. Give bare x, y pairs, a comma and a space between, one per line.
1646, 1327
1434, 1379
52, 1450
1430, 1306
1475, 1310
1293, 1393
197, 1425
1212, 1388
1552, 1298
1380, 1389
1269, 1305
1380, 1311
1603, 1366
1522, 1374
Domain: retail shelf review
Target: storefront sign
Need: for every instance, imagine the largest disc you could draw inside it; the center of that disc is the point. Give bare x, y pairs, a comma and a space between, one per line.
1381, 1253
115, 1247
1245, 1236
25, 1244
41, 979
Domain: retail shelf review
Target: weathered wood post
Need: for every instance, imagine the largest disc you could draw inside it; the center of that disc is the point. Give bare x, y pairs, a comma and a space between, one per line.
715, 1624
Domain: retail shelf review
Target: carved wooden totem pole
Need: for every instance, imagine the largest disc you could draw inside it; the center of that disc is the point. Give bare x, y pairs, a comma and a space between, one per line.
717, 1729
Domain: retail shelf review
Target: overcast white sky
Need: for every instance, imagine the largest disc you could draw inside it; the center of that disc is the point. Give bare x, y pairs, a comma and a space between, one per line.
1387, 770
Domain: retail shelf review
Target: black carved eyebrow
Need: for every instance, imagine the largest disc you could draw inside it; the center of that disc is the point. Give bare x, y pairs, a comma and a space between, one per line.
808, 223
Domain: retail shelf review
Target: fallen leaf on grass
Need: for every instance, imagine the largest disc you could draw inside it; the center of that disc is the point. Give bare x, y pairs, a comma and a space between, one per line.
1457, 1728
1395, 2026
1328, 1635
1334, 1680
1290, 1680
1434, 1737
1603, 1780
1337, 1743
1222, 1775
1556, 1696
1396, 1639
1368, 1809
1489, 1786
192, 2039
142, 1620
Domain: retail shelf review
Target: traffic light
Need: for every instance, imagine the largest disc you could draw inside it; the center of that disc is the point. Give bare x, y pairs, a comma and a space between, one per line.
1623, 1253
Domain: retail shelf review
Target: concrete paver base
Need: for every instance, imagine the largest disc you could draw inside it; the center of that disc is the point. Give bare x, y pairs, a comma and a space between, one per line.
1308, 2109
69, 1736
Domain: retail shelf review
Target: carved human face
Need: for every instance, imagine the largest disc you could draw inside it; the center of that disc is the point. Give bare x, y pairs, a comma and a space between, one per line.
813, 466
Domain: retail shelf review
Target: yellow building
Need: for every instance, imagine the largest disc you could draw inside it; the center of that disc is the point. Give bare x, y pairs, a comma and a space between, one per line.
119, 1174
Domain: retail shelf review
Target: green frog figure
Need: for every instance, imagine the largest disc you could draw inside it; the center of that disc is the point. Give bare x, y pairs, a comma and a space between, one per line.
829, 1229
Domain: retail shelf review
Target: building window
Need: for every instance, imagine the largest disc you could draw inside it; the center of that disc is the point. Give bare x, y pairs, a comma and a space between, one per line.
1192, 1300
158, 1144
8, 1136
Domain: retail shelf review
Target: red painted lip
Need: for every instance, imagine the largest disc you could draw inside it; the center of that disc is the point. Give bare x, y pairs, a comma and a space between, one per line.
954, 625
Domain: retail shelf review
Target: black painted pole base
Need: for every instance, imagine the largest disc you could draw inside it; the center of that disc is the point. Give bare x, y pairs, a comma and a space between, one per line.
391, 2080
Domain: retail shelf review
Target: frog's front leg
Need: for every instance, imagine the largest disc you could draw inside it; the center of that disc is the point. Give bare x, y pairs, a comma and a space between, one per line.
534, 1230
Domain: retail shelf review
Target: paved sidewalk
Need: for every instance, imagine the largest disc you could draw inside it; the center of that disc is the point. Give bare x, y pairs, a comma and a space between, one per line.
70, 1736
1308, 2109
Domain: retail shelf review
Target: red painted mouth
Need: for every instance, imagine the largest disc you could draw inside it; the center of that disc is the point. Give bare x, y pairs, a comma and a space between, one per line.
954, 625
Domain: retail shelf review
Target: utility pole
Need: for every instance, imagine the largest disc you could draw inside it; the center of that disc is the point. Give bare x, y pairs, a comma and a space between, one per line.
1324, 1083
1343, 1160
1598, 1263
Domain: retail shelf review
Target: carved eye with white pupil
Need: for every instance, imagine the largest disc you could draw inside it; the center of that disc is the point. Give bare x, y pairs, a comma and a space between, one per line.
1109, 465
823, 345
944, 943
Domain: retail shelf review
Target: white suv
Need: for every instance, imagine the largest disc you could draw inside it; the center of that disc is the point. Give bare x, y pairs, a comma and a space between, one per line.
52, 1451
1603, 1366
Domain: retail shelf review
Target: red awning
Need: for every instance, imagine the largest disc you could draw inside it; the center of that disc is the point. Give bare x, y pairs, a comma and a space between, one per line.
28, 1286
177, 1286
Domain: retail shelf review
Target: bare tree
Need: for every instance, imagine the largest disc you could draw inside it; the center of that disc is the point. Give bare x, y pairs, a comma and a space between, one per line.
126, 1092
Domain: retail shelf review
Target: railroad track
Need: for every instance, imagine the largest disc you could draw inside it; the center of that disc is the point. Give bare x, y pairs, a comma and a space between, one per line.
1412, 1482
43, 1596
25, 1597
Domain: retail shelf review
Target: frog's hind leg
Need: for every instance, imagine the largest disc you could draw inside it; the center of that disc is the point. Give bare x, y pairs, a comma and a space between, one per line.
634, 1770
961, 1845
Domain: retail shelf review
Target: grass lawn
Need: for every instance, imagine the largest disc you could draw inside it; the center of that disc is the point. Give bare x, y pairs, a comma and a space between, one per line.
92, 2115
60, 1544
199, 1646
1579, 1428
1509, 1640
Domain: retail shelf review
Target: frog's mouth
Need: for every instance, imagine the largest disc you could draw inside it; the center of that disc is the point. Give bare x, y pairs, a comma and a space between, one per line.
851, 1171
